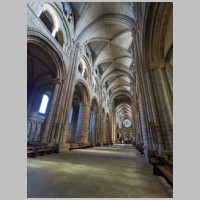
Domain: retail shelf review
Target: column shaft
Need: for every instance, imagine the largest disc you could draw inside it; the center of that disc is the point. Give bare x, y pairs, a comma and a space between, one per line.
83, 123
156, 125
143, 126
103, 130
50, 112
169, 81
165, 105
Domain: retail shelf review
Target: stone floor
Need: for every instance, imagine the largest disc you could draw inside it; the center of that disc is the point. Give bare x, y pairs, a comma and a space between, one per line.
117, 171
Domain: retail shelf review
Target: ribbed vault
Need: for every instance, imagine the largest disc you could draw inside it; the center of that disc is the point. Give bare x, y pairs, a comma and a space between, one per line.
106, 28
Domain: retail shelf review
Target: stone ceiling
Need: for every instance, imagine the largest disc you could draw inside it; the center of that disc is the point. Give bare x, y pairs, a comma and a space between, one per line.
106, 27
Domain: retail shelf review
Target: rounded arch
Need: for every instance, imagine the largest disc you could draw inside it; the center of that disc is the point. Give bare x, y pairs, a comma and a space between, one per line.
86, 66
103, 112
37, 38
61, 28
117, 60
48, 19
119, 72
59, 37
94, 104
120, 93
157, 29
82, 89
103, 39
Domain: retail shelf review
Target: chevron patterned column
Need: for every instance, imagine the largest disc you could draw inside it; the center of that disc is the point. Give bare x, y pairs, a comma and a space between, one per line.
83, 123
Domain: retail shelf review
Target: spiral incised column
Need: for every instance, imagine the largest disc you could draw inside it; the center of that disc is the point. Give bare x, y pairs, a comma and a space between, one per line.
83, 123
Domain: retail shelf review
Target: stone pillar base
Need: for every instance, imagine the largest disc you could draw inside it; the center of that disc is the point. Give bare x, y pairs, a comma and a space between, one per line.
64, 147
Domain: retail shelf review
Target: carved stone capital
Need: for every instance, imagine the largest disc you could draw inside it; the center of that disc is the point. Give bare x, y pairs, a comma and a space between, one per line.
64, 82
85, 104
57, 81
157, 65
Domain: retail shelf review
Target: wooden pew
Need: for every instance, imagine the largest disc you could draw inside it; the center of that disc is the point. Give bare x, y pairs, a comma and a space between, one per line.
76, 146
51, 149
153, 156
80, 146
31, 151
162, 166
165, 169
55, 148
40, 150
35, 148
140, 148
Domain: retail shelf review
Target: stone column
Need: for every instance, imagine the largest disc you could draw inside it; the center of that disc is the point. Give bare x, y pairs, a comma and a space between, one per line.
139, 129
90, 126
164, 102
37, 131
48, 120
83, 123
93, 140
103, 130
98, 128
111, 126
32, 130
168, 78
154, 110
134, 113
143, 126
28, 128
107, 129
113, 137
54, 31
69, 91
72, 137
32, 95
57, 122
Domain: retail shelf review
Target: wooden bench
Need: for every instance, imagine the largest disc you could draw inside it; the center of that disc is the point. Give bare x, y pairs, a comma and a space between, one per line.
55, 148
80, 146
51, 149
140, 148
170, 156
153, 156
35, 148
31, 151
76, 146
162, 167
40, 150
88, 146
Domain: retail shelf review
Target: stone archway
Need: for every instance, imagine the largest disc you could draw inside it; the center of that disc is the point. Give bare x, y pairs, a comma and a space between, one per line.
42, 79
79, 115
